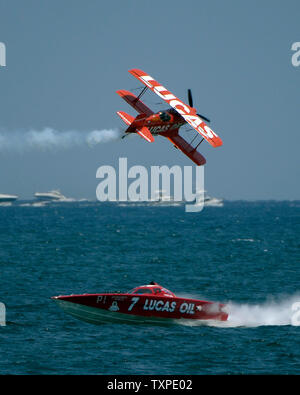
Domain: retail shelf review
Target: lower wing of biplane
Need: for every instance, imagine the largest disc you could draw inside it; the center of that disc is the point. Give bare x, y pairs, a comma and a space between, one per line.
180, 143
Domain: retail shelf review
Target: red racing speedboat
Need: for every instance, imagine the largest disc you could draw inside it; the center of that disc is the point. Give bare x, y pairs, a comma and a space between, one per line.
144, 304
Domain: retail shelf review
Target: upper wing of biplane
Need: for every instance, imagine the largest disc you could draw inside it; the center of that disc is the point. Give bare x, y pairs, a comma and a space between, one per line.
187, 112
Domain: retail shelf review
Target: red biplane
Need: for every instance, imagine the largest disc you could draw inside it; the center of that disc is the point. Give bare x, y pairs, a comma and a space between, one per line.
167, 122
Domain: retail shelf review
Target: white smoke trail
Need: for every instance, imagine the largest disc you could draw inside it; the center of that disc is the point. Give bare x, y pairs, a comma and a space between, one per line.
50, 139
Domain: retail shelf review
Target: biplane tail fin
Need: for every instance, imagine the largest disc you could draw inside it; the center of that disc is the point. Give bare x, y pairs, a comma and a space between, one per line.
128, 119
144, 132
186, 148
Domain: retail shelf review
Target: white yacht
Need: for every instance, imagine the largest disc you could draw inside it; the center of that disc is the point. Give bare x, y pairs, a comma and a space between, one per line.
212, 201
162, 198
7, 198
50, 196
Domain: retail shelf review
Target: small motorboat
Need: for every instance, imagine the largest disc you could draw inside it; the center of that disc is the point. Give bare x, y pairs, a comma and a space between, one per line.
150, 303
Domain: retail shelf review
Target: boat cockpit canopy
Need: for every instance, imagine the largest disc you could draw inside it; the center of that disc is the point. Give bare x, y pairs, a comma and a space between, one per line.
151, 290
141, 290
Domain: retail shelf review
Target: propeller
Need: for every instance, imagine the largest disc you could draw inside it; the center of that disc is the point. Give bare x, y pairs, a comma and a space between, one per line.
190, 98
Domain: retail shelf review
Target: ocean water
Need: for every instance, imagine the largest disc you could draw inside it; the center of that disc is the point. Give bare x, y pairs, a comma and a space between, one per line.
243, 254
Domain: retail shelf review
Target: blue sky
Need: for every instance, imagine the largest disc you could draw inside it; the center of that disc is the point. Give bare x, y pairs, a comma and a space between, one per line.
65, 60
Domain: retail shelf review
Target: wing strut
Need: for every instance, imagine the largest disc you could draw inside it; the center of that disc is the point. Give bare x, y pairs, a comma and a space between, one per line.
141, 94
199, 143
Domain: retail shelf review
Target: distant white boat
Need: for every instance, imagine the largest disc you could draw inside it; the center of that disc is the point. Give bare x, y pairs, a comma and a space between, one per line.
54, 195
161, 198
7, 198
211, 201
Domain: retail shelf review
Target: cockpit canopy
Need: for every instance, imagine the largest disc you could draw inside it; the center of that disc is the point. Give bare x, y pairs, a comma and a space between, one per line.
164, 116
151, 289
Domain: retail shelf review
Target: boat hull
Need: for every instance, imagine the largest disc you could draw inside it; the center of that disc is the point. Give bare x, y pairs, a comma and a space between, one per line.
8, 199
124, 308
